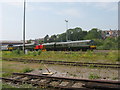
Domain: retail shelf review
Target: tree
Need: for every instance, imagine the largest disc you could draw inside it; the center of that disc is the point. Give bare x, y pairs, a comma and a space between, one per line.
53, 38
46, 38
107, 44
84, 33
76, 34
62, 37
94, 34
98, 42
29, 41
40, 41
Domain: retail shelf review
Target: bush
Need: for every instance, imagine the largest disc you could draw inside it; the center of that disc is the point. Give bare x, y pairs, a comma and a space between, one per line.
27, 70
39, 52
5, 85
16, 51
93, 76
6, 74
110, 43
34, 53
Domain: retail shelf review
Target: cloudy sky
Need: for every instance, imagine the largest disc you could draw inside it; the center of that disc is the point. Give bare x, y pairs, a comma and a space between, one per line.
44, 18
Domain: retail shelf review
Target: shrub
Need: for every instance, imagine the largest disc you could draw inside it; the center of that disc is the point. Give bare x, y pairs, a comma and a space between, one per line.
27, 70
39, 52
93, 76
5, 85
34, 53
6, 74
16, 51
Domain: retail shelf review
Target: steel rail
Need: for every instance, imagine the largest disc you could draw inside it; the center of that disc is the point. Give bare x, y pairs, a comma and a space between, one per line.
75, 79
86, 83
104, 65
62, 61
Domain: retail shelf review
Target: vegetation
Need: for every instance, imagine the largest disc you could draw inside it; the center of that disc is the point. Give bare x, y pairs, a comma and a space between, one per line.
77, 33
89, 56
107, 44
19, 67
93, 76
27, 70
17, 51
101, 40
74, 34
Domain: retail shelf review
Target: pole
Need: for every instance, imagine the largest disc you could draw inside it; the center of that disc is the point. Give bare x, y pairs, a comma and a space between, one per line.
24, 28
66, 30
47, 68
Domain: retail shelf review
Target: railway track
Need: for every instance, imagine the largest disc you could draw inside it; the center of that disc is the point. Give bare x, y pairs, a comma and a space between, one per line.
61, 82
101, 65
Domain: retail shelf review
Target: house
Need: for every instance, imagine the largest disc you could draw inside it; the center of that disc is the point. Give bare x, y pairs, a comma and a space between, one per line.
110, 33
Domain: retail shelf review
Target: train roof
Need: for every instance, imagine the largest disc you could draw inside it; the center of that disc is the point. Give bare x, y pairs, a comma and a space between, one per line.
73, 42
22, 45
48, 43
66, 42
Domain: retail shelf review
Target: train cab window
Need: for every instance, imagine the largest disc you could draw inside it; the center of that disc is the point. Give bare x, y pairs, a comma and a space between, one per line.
92, 43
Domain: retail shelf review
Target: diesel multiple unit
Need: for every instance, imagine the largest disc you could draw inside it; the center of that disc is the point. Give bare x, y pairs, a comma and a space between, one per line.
58, 46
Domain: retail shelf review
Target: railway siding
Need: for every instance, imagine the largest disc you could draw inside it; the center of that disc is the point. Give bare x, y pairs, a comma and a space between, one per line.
101, 65
62, 82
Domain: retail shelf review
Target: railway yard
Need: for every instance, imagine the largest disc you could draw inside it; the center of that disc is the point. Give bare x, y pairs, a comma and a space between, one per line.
90, 70
61, 45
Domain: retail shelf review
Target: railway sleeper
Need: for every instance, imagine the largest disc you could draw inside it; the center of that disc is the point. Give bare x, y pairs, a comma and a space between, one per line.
66, 84
71, 83
55, 83
62, 82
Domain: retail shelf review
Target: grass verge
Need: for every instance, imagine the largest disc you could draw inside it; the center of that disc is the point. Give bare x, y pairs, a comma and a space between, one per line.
89, 56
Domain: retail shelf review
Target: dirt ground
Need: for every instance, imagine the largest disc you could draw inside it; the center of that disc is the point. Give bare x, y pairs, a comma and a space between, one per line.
79, 72
62, 70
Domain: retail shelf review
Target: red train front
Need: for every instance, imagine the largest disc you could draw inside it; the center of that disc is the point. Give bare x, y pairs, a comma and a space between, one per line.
39, 47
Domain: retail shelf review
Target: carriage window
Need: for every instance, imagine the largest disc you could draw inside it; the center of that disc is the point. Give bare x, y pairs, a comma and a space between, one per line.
59, 44
66, 45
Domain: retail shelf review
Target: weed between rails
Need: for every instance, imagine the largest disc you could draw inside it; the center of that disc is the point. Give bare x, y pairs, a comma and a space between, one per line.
27, 70
93, 76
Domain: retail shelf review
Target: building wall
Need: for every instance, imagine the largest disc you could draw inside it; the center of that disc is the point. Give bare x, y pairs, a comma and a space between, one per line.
110, 33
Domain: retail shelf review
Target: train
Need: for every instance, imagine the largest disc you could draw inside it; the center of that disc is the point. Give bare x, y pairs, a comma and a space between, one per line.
11, 47
70, 46
83, 45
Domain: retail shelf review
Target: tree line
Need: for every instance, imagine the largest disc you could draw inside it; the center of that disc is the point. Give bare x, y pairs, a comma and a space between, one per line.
79, 34
74, 35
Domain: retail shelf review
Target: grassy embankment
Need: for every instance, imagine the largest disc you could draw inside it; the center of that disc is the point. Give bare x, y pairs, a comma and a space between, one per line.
89, 56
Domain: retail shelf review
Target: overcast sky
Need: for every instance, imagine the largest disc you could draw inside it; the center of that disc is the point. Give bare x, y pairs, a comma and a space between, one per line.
44, 18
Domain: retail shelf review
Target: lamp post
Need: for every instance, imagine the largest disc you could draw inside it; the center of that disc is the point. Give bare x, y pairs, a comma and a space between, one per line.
24, 28
66, 30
